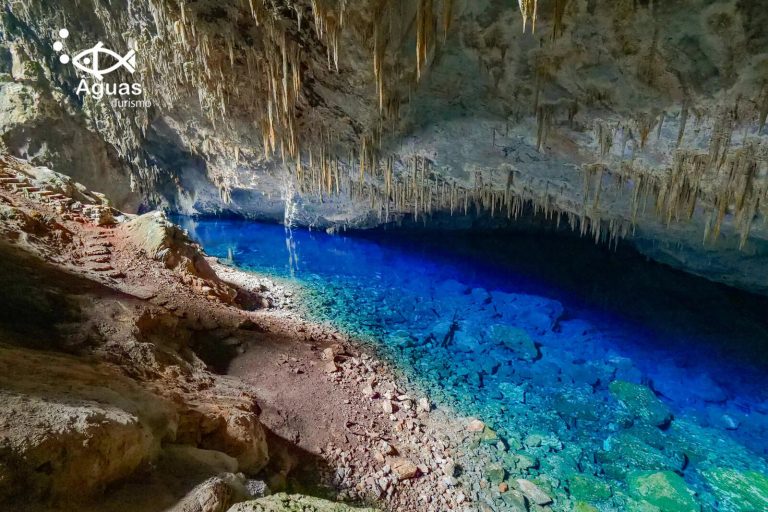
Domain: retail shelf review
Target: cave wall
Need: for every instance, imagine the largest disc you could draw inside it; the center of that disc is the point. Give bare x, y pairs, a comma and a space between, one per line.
635, 119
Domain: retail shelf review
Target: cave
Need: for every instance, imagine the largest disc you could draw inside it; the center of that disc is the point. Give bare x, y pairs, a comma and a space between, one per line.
383, 256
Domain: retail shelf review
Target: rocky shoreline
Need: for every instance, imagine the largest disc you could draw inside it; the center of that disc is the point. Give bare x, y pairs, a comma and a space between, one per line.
390, 446
404, 450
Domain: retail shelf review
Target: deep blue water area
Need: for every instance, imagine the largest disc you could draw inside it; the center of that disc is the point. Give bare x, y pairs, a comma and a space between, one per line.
537, 334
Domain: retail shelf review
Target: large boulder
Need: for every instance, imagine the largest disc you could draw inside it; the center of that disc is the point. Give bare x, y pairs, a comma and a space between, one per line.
738, 491
515, 339
588, 488
642, 402
663, 489
216, 494
160, 239
84, 426
625, 452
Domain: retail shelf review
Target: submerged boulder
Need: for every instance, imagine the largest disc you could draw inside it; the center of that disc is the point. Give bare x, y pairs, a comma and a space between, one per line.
533, 492
738, 491
663, 489
589, 488
515, 339
642, 402
625, 453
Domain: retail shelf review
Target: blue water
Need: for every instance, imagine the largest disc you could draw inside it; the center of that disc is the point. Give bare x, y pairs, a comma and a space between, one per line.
581, 316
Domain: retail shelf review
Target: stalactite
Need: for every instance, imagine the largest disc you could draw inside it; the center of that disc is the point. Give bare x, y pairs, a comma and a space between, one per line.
424, 31
557, 18
683, 121
763, 116
529, 8
544, 122
447, 18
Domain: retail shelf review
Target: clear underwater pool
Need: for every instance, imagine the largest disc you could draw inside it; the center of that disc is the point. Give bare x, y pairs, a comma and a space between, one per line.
556, 344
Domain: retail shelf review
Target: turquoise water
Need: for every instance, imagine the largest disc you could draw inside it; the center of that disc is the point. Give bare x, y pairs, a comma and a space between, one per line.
591, 365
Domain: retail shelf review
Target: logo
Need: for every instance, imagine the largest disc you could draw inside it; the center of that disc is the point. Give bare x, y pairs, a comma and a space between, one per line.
91, 57
98, 62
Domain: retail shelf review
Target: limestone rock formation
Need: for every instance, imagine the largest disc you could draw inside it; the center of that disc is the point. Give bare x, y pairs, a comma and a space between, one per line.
97, 381
164, 241
82, 427
294, 502
216, 494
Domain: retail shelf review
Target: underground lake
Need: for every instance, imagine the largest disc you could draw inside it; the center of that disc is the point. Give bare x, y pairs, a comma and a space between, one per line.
580, 358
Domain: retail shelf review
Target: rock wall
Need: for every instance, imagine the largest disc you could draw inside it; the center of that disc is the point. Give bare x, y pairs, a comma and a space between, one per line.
634, 119
99, 379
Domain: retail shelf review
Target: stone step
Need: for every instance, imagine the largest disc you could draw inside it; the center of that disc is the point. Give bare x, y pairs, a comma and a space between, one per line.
100, 267
98, 252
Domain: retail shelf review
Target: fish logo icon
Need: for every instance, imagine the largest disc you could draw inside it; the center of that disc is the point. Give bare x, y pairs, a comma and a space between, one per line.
88, 61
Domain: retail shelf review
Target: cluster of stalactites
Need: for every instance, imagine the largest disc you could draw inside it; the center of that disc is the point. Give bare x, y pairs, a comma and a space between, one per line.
728, 178
217, 63
414, 187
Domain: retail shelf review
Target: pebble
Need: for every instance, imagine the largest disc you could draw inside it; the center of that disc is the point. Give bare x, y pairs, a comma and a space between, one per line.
476, 426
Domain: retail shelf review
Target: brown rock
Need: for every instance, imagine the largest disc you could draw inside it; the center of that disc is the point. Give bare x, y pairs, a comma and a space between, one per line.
84, 433
330, 353
403, 468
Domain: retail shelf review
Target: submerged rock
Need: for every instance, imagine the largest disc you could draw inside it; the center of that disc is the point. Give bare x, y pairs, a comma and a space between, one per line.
533, 492
738, 491
580, 506
589, 488
495, 473
624, 453
642, 402
516, 340
663, 489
